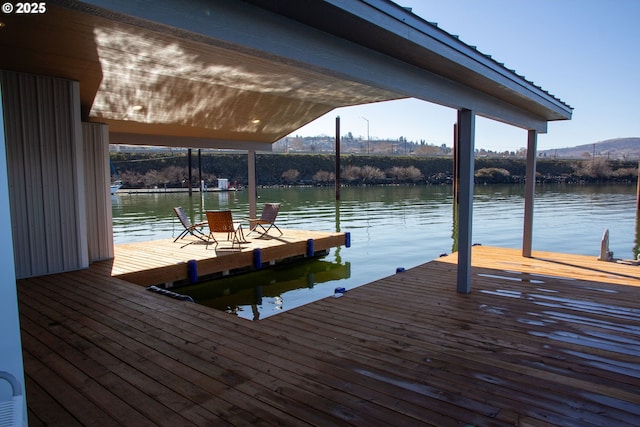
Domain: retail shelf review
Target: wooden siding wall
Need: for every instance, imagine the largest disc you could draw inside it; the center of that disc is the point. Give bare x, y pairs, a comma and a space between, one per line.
46, 173
96, 187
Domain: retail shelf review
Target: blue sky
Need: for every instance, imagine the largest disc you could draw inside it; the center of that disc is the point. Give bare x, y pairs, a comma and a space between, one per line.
585, 52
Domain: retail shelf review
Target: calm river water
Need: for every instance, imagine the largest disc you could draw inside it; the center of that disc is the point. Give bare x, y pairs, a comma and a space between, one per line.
390, 227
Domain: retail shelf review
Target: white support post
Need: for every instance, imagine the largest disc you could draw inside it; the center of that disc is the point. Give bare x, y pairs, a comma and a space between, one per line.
251, 174
530, 188
466, 141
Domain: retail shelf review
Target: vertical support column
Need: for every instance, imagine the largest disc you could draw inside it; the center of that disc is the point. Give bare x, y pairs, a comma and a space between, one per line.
99, 233
79, 178
337, 173
251, 174
530, 188
466, 140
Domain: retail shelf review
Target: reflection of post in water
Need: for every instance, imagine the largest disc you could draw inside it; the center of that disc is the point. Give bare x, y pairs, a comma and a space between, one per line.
337, 252
454, 228
338, 229
257, 302
202, 211
258, 295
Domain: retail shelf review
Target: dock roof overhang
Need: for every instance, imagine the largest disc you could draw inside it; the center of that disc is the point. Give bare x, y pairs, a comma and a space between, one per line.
242, 74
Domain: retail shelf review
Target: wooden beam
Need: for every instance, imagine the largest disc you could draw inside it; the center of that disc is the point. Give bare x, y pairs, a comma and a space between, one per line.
251, 174
186, 141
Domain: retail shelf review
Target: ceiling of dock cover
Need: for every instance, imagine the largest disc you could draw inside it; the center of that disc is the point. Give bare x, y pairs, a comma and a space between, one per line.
233, 73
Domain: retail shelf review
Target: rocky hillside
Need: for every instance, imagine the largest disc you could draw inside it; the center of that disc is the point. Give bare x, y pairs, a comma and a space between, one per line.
613, 149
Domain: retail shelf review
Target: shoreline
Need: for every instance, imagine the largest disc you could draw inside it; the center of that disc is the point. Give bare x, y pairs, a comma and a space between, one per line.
172, 190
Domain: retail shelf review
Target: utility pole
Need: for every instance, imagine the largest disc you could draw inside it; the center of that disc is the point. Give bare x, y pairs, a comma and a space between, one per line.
368, 139
190, 171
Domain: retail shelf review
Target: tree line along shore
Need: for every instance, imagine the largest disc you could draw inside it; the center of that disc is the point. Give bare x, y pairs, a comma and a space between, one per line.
151, 170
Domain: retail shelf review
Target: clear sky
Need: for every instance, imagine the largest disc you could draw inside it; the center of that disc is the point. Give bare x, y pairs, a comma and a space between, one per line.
585, 52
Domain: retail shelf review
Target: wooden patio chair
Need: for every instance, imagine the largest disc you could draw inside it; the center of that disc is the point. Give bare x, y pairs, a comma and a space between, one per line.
268, 218
189, 228
11, 407
222, 222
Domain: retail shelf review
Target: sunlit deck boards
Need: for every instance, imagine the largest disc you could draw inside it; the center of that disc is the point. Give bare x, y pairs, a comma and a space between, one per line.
529, 346
162, 261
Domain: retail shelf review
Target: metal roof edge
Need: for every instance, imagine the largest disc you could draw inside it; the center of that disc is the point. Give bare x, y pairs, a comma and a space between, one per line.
432, 31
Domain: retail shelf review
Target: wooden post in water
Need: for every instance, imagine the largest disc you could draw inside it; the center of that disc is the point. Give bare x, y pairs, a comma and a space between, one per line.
253, 191
337, 173
200, 170
190, 172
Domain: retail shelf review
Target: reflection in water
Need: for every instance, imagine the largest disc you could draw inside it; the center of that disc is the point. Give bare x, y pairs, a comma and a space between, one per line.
404, 226
454, 228
263, 293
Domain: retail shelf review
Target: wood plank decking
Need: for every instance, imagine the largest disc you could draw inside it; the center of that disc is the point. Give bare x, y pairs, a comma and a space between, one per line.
549, 340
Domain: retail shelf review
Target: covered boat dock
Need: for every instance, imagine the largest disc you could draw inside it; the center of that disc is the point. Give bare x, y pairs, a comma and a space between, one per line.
234, 74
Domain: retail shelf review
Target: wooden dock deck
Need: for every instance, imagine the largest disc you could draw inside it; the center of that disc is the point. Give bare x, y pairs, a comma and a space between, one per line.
549, 340
160, 262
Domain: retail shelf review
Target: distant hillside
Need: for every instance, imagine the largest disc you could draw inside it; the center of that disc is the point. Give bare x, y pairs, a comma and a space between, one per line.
614, 149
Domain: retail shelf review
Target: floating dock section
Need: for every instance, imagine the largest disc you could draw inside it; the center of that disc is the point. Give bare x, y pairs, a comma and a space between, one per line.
168, 263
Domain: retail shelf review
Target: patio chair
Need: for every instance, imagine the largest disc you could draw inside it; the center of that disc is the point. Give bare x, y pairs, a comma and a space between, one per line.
268, 218
11, 408
222, 222
189, 228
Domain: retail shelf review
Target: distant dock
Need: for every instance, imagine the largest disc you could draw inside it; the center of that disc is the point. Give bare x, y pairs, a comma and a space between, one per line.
157, 190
